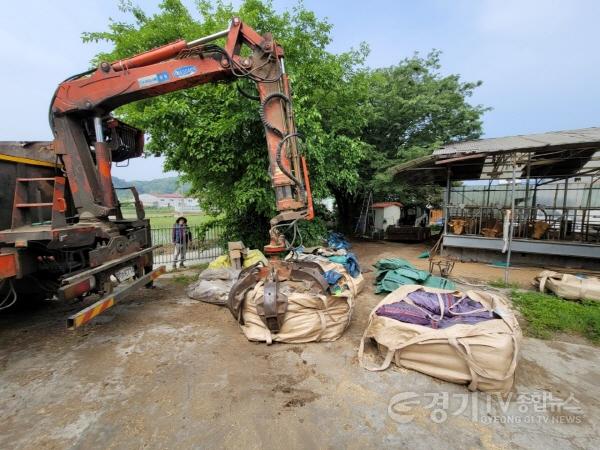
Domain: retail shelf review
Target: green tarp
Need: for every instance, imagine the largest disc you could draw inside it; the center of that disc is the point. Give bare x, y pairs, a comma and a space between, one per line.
393, 263
395, 272
439, 282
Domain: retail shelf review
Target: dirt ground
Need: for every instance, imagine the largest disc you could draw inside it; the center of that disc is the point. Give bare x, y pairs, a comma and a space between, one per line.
162, 371
472, 272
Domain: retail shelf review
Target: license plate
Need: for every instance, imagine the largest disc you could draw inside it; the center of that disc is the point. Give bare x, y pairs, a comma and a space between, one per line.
125, 273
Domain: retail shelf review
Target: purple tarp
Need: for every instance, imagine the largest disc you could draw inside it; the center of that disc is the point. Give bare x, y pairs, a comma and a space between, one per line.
427, 310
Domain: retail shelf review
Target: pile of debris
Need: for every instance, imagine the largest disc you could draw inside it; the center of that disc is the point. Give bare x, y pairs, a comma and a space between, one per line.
313, 312
307, 297
468, 338
424, 324
568, 286
216, 281
393, 273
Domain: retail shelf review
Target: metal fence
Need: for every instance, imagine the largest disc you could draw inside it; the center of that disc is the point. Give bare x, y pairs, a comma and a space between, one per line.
551, 195
205, 245
556, 224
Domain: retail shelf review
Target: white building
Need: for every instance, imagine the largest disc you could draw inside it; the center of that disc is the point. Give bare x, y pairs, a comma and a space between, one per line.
386, 214
176, 201
328, 203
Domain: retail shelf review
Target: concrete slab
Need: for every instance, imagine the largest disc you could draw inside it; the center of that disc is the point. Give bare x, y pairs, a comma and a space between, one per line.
162, 371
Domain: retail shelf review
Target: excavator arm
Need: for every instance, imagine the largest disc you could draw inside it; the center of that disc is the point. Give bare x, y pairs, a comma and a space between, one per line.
88, 139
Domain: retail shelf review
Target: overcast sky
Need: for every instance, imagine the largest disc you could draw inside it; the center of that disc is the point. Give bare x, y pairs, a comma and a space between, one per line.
538, 59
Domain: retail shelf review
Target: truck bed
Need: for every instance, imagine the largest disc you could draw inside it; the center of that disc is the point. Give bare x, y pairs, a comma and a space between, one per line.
28, 151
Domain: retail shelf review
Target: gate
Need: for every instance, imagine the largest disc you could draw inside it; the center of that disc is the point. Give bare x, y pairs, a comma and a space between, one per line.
201, 249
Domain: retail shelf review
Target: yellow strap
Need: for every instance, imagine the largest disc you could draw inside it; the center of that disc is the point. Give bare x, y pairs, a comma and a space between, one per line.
31, 162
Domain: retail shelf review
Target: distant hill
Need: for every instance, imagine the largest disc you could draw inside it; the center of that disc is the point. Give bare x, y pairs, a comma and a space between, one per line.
168, 185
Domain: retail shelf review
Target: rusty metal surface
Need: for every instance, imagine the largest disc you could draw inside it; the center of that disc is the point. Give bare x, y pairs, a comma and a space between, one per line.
111, 85
16, 191
35, 150
8, 266
140, 214
87, 314
272, 306
103, 163
246, 280
81, 238
528, 142
77, 289
556, 154
78, 235
117, 247
108, 265
309, 271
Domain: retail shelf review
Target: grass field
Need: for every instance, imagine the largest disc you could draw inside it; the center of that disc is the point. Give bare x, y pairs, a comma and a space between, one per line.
165, 218
547, 315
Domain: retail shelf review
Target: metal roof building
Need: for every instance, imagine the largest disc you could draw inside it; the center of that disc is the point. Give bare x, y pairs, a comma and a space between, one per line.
565, 234
556, 155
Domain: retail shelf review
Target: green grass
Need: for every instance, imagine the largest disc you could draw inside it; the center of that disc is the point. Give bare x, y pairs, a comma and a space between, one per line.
165, 218
167, 221
199, 266
547, 315
500, 283
184, 279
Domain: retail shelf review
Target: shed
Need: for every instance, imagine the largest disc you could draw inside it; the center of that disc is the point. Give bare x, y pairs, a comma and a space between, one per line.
527, 199
386, 214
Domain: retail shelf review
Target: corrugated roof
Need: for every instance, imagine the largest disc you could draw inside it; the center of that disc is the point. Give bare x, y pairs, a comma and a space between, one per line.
523, 142
423, 161
417, 162
386, 204
557, 154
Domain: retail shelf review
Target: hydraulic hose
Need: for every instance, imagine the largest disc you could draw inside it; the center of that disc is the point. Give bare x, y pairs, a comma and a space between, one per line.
278, 159
263, 117
246, 94
73, 77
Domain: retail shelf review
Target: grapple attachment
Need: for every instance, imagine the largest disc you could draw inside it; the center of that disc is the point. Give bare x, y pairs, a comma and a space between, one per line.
273, 306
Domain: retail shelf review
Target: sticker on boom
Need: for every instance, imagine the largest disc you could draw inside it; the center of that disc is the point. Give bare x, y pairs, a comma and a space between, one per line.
151, 80
184, 71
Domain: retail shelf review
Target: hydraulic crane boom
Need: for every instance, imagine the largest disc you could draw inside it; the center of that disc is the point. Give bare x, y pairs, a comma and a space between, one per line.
87, 139
63, 233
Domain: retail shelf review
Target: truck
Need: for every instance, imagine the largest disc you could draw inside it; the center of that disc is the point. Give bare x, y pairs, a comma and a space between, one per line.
62, 230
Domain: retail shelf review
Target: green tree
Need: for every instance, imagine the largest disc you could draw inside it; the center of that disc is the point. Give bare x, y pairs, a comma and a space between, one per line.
413, 110
357, 122
214, 136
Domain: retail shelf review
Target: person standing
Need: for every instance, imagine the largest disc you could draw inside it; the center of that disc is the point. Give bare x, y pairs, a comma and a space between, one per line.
182, 236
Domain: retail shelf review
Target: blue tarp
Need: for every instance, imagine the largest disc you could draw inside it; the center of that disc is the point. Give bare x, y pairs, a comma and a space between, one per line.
332, 277
337, 241
349, 262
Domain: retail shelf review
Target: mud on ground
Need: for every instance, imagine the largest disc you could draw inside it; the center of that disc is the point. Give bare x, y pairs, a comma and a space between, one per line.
162, 371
